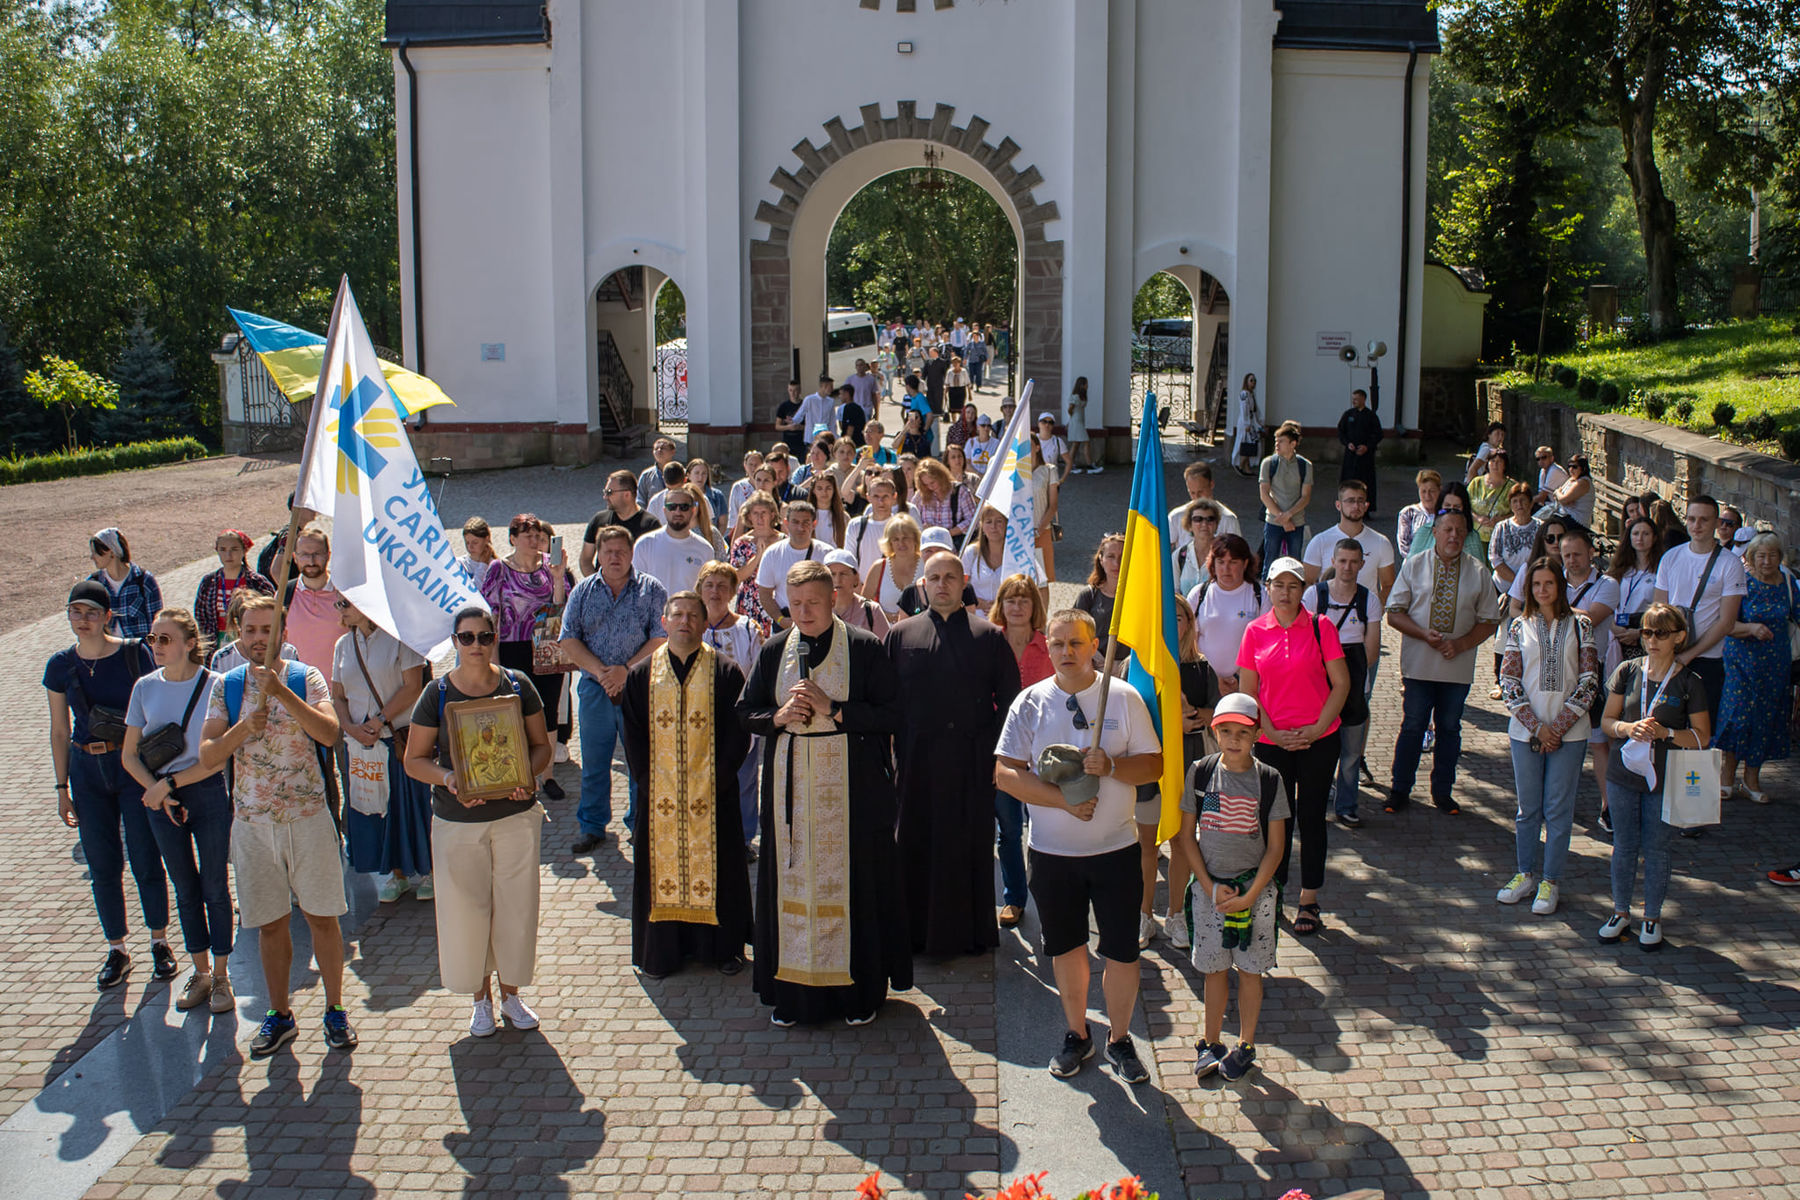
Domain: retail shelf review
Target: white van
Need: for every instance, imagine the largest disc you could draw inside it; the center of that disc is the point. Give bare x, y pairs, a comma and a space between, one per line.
849, 335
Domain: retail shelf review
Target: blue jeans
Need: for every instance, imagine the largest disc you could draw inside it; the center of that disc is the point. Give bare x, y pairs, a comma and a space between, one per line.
1638, 828
107, 800
749, 791
599, 737
1546, 785
1278, 541
1351, 739
1420, 701
1009, 813
197, 852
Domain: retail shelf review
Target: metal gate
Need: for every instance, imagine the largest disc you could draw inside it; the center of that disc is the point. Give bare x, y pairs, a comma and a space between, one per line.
1167, 371
269, 418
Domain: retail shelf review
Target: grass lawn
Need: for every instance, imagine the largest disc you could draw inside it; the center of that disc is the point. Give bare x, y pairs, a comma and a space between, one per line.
1755, 365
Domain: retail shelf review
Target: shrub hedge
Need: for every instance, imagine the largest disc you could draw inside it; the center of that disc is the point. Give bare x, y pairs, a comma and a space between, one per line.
65, 464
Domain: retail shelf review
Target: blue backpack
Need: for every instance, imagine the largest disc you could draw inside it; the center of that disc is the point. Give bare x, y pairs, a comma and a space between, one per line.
235, 682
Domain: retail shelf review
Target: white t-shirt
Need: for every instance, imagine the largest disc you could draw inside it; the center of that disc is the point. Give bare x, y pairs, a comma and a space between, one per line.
1678, 576
673, 560
1378, 552
156, 702
1352, 628
1220, 624
863, 539
388, 659
984, 579
1053, 448
816, 411
981, 453
1040, 717
1180, 535
740, 492
772, 571
1551, 477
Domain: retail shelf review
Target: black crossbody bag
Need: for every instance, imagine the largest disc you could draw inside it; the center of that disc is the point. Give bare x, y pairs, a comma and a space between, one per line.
163, 745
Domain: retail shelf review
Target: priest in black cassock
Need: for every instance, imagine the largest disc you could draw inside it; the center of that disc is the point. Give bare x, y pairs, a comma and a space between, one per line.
1359, 429
690, 896
830, 907
958, 676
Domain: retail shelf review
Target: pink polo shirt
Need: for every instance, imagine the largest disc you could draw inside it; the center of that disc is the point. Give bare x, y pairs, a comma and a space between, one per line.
1292, 686
313, 627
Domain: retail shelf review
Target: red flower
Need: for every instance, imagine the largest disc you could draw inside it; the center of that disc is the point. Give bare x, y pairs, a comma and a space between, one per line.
870, 1188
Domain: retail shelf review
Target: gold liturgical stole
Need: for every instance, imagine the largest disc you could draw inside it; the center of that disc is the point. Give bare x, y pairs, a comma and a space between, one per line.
684, 867
812, 851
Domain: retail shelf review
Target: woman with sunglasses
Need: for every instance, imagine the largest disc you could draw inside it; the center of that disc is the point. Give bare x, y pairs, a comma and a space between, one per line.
485, 851
519, 587
1652, 704
1192, 557
190, 811
375, 681
136, 597
213, 597
90, 684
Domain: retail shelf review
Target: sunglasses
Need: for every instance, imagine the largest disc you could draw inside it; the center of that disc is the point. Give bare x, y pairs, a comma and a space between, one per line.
678, 508
466, 638
163, 639
1660, 633
1198, 520
1081, 721
340, 604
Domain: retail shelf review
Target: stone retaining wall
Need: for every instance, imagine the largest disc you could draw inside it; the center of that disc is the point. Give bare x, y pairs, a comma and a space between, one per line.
1637, 455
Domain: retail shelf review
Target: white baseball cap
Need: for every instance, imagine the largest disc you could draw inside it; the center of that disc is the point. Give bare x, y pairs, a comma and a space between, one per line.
842, 558
937, 535
1287, 566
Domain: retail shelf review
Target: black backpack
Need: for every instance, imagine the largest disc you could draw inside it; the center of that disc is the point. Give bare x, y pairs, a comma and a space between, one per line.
1269, 777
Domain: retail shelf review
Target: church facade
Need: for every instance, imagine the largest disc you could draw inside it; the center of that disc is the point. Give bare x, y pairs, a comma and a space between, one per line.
558, 161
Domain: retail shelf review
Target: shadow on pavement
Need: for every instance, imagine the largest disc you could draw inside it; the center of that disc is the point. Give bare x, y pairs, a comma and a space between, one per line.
527, 1127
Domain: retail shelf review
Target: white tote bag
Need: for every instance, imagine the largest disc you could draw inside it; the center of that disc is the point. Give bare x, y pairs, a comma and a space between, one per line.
1691, 789
369, 777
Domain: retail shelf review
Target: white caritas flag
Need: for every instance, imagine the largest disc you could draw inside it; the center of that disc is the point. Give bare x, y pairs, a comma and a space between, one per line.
1007, 487
390, 555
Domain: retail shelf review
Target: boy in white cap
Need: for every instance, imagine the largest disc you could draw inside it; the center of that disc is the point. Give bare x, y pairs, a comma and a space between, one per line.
1234, 813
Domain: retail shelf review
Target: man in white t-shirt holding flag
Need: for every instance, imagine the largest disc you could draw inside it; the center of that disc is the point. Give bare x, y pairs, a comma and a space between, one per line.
391, 556
1006, 487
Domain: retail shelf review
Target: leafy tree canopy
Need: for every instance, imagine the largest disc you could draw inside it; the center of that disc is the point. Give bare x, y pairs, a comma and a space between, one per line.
930, 254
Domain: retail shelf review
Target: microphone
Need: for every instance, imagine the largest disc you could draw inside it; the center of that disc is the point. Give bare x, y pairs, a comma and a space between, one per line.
805, 652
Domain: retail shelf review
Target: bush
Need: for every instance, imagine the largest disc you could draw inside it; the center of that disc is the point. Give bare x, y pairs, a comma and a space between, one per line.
1565, 377
1761, 428
1790, 443
1609, 394
65, 464
1684, 409
1655, 405
1723, 414
1587, 387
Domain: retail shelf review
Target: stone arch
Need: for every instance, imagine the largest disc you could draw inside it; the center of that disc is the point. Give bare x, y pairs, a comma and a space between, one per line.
772, 267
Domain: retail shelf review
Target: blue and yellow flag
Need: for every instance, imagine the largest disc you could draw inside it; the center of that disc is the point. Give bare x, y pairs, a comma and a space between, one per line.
294, 358
1144, 614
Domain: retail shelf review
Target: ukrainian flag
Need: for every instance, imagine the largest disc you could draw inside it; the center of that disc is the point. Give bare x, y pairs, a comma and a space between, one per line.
294, 358
1144, 614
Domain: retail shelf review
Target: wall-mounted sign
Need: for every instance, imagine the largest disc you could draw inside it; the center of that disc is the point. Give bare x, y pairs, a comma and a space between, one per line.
1327, 345
496, 351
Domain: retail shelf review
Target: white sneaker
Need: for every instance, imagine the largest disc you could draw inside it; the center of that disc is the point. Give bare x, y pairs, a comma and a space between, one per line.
1516, 889
562, 752
390, 889
1614, 929
1146, 930
517, 1012
1650, 936
1547, 895
1175, 929
481, 1019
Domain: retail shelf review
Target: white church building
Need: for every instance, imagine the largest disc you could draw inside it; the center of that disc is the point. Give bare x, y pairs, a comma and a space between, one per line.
558, 161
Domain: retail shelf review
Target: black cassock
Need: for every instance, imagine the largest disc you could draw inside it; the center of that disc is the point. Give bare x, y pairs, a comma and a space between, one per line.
660, 947
1360, 427
958, 677
879, 952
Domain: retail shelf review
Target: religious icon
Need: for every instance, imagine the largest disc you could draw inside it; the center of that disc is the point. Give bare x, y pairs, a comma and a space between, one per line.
488, 749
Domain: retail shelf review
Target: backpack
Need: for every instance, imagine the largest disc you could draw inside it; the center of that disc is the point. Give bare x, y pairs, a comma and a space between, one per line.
1255, 587
1359, 602
235, 680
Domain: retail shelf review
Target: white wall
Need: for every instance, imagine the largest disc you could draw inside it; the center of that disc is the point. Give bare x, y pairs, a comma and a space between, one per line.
1335, 231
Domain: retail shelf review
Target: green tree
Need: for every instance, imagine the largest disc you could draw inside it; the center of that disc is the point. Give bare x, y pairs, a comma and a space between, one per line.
671, 313
152, 401
936, 253
60, 384
1162, 295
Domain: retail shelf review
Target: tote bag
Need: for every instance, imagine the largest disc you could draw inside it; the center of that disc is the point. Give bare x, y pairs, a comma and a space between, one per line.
368, 777
1691, 788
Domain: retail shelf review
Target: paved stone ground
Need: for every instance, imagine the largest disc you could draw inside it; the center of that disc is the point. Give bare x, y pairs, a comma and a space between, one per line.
1429, 1043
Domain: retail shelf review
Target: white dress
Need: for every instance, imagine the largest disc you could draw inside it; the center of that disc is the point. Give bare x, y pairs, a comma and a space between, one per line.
1248, 425
1077, 411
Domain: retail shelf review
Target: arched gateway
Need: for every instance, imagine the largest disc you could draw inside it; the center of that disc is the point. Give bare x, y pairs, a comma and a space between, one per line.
558, 161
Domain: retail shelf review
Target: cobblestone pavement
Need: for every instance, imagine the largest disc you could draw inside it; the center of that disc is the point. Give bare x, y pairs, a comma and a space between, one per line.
1428, 1043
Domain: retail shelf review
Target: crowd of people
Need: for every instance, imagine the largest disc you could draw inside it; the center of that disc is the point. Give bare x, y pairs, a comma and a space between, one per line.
837, 710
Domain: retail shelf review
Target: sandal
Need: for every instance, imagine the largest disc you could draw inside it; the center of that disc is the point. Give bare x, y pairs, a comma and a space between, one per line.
1307, 920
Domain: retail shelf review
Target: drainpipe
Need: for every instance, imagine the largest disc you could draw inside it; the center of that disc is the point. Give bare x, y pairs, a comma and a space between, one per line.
1406, 160
418, 272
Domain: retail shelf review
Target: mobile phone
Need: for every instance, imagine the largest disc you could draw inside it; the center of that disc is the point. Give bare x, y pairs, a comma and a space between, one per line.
556, 548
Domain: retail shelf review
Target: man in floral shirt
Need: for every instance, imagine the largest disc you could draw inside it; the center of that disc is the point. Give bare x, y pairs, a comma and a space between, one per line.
284, 843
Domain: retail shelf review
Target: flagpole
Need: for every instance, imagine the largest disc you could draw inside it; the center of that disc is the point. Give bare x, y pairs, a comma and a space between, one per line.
284, 571
1112, 633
